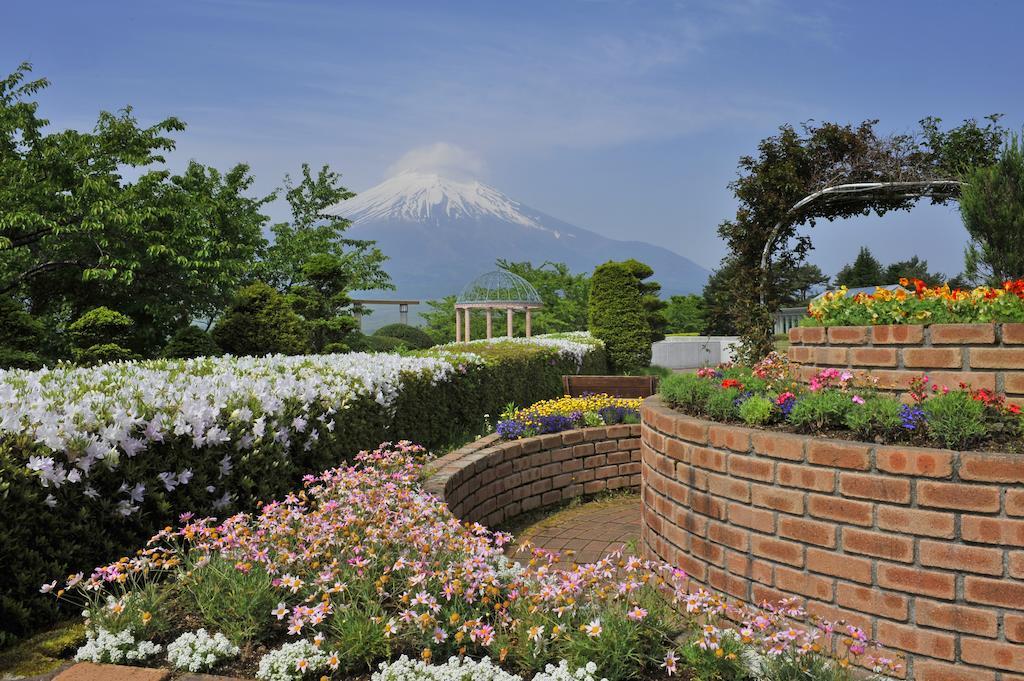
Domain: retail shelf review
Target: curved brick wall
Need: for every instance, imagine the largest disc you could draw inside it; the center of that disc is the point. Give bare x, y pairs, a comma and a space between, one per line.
989, 356
490, 480
923, 548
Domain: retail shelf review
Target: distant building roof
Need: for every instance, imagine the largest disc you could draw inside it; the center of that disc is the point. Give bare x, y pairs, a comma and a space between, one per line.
851, 292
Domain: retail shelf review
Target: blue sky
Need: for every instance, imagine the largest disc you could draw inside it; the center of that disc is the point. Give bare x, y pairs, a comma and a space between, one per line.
623, 117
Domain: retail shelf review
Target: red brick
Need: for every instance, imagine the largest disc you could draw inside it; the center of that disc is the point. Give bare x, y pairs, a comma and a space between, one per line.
748, 467
1013, 625
838, 565
788, 501
730, 437
915, 640
800, 354
711, 459
932, 358
724, 486
868, 486
778, 445
873, 357
964, 558
1013, 382
808, 531
958, 496
996, 358
691, 430
808, 478
796, 335
916, 581
835, 356
871, 600
930, 463
848, 335
778, 550
838, 454
992, 467
977, 621
843, 510
804, 584
813, 334
88, 671
754, 518
729, 536
897, 334
927, 670
992, 654
953, 379
878, 544
1013, 334
1016, 563
1015, 502
962, 334
993, 591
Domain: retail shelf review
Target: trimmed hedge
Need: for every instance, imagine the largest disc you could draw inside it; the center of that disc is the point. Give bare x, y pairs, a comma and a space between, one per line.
39, 544
414, 338
618, 317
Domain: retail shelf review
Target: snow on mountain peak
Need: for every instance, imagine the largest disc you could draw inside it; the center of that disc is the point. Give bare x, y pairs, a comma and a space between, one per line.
427, 197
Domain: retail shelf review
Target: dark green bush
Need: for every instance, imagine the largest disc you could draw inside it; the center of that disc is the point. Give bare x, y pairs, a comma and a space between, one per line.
20, 337
191, 341
358, 342
956, 419
618, 317
819, 411
261, 322
414, 338
100, 335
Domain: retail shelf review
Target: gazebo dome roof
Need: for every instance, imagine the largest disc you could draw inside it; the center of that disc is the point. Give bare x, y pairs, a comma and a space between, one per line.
499, 287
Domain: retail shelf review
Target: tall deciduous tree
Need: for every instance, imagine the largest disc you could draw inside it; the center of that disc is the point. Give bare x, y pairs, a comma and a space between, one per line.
685, 314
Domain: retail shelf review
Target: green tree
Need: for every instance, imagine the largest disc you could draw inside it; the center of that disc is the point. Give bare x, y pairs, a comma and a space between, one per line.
685, 314
865, 270
261, 322
101, 335
719, 297
413, 338
992, 206
314, 231
654, 306
20, 336
915, 268
801, 283
564, 295
320, 296
618, 316
190, 341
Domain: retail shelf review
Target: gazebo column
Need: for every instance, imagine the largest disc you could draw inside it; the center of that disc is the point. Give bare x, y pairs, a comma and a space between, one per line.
467, 313
490, 325
508, 321
529, 323
458, 325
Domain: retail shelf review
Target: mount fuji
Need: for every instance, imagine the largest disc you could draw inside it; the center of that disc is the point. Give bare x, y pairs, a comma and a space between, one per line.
440, 233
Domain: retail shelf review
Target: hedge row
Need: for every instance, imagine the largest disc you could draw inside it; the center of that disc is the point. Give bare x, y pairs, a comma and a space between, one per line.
55, 525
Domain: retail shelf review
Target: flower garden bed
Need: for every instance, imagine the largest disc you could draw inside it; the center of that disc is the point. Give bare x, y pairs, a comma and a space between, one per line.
94, 460
922, 548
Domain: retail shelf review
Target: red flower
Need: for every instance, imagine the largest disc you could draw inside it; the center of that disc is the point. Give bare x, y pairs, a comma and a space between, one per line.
731, 383
1014, 409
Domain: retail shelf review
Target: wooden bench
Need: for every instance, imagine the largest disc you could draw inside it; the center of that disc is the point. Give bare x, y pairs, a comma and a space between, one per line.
617, 386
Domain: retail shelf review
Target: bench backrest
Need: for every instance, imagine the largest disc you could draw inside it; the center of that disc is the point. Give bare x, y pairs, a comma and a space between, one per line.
617, 386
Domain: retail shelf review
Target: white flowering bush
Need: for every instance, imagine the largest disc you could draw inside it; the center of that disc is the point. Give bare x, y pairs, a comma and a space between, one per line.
197, 651
105, 647
467, 669
292, 661
563, 673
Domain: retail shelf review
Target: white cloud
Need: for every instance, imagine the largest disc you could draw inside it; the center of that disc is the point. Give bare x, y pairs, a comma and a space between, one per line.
442, 158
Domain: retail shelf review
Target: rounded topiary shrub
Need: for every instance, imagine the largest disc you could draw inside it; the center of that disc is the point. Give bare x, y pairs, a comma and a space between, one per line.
191, 341
262, 322
100, 335
618, 317
414, 338
20, 337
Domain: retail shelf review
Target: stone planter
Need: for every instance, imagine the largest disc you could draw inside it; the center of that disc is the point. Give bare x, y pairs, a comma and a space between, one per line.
989, 356
922, 548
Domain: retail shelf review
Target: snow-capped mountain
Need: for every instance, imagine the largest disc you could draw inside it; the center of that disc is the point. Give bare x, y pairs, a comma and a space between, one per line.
440, 233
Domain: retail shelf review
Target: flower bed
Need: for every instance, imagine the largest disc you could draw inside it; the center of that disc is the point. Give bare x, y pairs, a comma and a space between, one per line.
921, 548
362, 567
567, 413
93, 460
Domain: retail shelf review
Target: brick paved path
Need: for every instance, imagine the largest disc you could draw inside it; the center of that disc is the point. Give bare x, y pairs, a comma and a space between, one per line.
591, 530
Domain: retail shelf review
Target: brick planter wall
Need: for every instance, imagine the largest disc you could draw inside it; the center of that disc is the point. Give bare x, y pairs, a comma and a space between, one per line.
491, 481
923, 548
989, 356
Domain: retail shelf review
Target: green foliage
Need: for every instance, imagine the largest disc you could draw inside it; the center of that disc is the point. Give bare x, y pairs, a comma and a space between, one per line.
413, 337
685, 314
261, 322
618, 317
794, 164
865, 270
359, 640
654, 307
190, 341
100, 336
877, 417
235, 602
359, 342
721, 404
20, 337
320, 297
931, 306
686, 390
956, 419
819, 411
992, 206
723, 664
756, 410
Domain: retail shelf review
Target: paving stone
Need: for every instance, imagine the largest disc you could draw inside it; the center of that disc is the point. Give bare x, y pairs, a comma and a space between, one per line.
87, 671
591, 530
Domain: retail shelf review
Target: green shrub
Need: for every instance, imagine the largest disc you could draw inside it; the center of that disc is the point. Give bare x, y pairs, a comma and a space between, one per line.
236, 602
414, 338
955, 419
261, 322
100, 335
756, 410
358, 342
877, 417
721, 404
617, 316
819, 411
191, 341
686, 390
20, 337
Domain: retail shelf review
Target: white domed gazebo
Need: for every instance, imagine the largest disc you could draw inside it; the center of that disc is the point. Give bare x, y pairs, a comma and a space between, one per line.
497, 290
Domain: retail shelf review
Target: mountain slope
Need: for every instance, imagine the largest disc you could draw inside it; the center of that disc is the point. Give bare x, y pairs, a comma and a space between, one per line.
440, 234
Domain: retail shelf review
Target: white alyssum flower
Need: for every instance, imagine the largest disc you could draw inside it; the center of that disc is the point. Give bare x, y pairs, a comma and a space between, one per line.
292, 661
563, 673
197, 651
115, 648
466, 669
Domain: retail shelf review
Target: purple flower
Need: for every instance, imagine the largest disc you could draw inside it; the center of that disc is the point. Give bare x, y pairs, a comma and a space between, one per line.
913, 417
